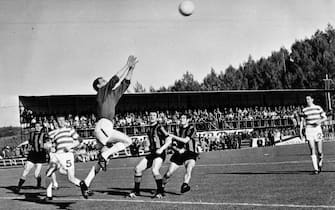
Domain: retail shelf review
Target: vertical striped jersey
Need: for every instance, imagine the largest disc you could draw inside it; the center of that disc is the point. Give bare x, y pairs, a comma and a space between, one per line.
190, 132
63, 138
37, 140
312, 114
157, 135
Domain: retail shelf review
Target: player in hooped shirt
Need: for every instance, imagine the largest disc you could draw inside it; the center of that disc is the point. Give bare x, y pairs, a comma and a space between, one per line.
65, 140
313, 116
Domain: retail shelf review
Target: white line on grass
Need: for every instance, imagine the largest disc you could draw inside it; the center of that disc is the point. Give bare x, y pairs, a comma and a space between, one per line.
184, 202
228, 164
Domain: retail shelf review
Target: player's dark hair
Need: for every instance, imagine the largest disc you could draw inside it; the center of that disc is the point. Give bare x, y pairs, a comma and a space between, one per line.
153, 112
95, 83
313, 96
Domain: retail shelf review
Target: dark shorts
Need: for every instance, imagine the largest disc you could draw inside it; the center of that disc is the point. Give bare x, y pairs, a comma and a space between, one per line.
37, 157
153, 156
180, 159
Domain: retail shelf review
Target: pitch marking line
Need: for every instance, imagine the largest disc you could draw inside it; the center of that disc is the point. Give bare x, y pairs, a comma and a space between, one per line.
231, 164
185, 202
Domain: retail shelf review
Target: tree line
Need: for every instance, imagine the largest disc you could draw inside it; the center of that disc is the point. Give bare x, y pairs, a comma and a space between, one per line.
305, 66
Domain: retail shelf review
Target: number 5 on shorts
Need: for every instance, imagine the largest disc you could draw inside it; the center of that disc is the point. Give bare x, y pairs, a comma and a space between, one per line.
68, 163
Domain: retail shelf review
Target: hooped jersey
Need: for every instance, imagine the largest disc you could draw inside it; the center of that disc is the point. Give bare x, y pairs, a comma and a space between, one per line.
64, 138
313, 114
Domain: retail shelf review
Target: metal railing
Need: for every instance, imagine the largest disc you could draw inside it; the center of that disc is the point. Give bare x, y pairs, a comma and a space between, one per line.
328, 127
12, 162
257, 123
142, 130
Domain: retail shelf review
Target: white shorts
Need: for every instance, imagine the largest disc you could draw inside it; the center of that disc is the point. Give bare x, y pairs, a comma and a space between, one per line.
64, 161
105, 133
314, 134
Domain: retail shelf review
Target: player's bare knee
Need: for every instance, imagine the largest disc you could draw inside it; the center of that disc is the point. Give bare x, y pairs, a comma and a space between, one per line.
37, 173
138, 170
24, 176
25, 172
168, 174
52, 168
155, 172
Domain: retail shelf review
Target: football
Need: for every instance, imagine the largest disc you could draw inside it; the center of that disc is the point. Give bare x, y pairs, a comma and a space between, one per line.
186, 8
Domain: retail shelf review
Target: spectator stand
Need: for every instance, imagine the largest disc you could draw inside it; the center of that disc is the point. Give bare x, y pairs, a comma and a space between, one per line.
218, 129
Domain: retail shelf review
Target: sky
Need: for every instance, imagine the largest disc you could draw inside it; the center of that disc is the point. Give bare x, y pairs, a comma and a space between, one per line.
55, 47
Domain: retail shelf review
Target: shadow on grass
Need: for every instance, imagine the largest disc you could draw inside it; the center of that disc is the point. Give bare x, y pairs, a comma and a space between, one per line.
124, 192
35, 198
12, 189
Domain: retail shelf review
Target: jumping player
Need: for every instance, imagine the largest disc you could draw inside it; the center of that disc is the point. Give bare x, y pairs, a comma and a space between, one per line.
313, 116
36, 156
185, 153
159, 142
65, 139
108, 95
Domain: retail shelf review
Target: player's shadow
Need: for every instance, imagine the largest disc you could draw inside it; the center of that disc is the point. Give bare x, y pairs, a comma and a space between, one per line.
13, 188
145, 192
35, 198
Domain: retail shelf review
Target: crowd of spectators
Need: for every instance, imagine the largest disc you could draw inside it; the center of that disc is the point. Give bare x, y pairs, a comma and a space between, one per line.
85, 123
167, 117
14, 152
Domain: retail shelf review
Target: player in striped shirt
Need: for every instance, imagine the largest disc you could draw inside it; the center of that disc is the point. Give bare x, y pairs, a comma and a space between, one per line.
184, 145
159, 141
36, 156
312, 117
65, 140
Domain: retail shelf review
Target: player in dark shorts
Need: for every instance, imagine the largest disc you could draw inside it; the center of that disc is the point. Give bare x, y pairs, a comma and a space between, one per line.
159, 141
36, 156
185, 153
108, 95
